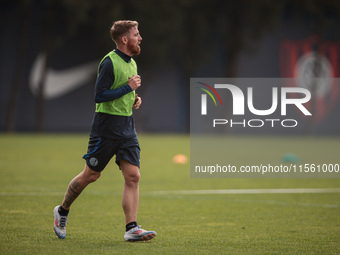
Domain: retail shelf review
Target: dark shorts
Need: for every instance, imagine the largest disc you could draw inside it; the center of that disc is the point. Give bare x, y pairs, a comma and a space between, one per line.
101, 150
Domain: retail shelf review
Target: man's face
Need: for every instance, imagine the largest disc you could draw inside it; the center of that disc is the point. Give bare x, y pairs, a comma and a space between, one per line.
134, 40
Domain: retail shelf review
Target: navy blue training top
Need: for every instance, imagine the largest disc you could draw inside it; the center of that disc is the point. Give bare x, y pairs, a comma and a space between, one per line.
106, 125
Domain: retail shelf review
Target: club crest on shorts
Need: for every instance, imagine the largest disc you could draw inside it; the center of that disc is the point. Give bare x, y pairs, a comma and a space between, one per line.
93, 161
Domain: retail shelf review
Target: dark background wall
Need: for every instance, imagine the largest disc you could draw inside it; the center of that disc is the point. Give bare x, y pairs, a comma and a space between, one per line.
181, 39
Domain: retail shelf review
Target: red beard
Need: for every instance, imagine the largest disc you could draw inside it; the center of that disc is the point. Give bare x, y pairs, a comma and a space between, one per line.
134, 49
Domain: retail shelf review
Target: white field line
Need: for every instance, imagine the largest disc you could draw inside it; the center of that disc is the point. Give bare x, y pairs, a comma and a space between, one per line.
185, 192
31, 194
245, 191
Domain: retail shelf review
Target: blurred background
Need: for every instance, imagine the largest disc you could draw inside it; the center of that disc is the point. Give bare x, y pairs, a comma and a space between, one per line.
50, 50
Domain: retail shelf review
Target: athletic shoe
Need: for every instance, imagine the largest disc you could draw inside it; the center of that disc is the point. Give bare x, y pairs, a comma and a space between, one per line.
139, 234
59, 223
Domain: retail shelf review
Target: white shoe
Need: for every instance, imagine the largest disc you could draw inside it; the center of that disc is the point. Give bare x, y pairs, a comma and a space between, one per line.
59, 223
139, 234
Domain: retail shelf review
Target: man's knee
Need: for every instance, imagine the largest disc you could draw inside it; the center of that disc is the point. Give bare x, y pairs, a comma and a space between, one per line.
131, 172
90, 175
133, 177
93, 177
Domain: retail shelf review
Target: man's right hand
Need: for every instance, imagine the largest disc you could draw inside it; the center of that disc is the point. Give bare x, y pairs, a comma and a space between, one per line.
135, 82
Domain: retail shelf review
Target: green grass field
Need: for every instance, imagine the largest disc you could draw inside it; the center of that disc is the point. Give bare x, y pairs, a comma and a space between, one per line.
36, 169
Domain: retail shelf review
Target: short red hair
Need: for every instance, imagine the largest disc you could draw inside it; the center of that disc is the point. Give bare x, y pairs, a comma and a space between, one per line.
120, 28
